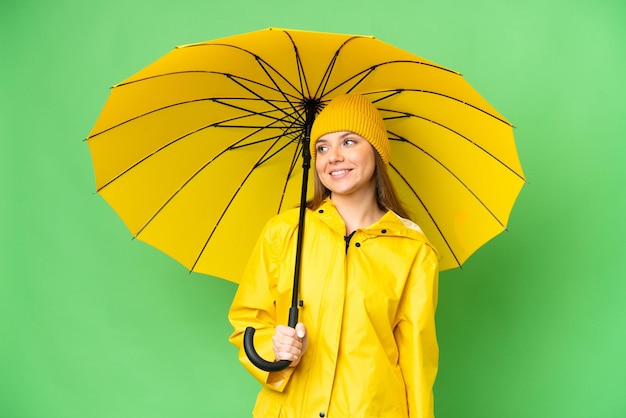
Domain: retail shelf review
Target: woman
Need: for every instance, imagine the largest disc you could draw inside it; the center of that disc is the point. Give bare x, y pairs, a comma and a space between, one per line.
366, 344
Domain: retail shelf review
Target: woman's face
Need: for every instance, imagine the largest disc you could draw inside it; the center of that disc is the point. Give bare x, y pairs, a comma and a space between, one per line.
345, 163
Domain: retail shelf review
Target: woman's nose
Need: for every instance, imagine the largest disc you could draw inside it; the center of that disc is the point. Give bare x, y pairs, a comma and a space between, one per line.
335, 154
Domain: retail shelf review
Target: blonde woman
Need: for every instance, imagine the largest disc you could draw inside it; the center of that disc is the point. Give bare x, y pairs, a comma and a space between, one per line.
366, 344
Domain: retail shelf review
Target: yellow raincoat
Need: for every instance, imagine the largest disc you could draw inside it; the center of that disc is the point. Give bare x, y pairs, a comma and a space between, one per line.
369, 309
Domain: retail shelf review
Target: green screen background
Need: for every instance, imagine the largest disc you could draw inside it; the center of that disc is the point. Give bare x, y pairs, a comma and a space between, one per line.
93, 324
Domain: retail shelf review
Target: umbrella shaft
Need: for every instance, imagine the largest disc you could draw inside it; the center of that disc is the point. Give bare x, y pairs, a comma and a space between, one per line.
306, 165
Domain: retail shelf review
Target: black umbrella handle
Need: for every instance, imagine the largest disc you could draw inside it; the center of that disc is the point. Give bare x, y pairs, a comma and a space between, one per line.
255, 358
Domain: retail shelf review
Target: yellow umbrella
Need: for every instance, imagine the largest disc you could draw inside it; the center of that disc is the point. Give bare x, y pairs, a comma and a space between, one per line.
199, 149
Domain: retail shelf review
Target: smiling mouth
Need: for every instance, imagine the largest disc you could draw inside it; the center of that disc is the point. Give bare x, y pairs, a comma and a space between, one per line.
339, 172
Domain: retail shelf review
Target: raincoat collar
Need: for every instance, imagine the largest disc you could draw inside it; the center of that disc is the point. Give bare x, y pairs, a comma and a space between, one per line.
390, 224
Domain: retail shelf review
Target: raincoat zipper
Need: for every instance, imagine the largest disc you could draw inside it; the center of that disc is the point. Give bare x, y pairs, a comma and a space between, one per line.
347, 239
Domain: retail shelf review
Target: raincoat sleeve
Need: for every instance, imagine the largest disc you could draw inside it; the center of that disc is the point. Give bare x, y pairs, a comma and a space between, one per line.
254, 306
415, 334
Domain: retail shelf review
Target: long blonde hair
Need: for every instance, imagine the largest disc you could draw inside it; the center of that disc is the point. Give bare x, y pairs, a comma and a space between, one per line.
386, 196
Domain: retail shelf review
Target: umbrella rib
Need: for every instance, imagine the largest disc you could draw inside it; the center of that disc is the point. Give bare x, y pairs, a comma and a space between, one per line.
232, 199
213, 125
292, 166
467, 139
264, 158
321, 88
228, 75
277, 89
371, 69
362, 75
236, 79
398, 91
217, 100
401, 139
276, 84
156, 213
301, 75
262, 63
264, 113
365, 75
325, 78
260, 141
288, 131
427, 211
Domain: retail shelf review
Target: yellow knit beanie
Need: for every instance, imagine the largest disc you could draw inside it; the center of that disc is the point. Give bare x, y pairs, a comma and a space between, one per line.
353, 113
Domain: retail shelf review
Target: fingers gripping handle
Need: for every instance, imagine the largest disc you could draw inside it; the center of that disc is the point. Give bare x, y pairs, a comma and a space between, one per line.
258, 361
255, 358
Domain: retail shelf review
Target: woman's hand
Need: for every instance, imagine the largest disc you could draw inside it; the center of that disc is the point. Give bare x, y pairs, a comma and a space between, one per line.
290, 343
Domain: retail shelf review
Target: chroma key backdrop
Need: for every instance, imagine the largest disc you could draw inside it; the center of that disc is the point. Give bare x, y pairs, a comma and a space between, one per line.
95, 324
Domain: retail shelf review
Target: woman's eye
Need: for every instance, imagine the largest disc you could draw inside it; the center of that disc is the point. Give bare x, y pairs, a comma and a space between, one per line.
349, 142
321, 148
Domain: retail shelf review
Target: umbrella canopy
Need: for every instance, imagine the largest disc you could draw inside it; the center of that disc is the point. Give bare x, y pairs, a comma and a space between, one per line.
198, 150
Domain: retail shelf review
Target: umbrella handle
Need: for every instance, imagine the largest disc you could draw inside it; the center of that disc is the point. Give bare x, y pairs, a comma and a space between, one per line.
255, 358
248, 336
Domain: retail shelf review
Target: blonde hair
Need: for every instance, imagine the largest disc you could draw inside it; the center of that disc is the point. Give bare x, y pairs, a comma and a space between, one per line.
386, 196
